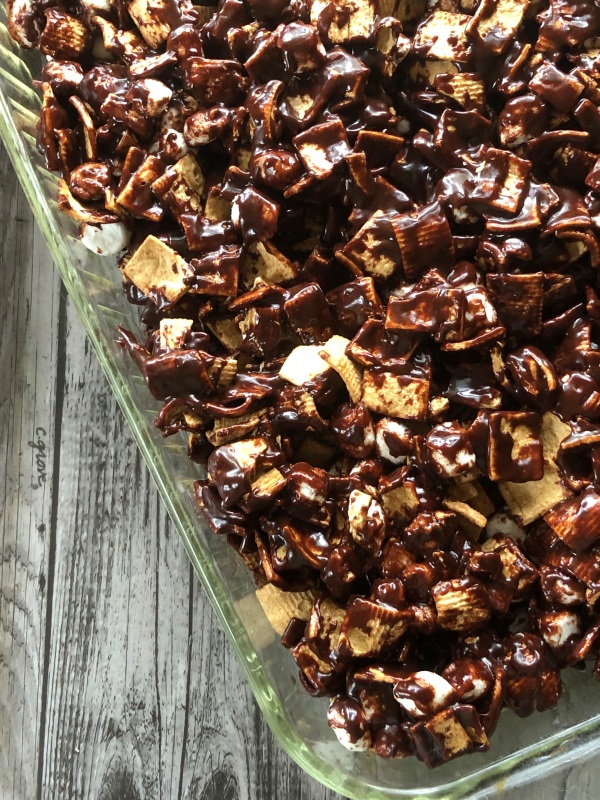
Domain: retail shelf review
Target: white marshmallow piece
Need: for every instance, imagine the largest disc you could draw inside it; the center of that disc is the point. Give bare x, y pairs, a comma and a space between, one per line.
558, 628
394, 430
106, 239
442, 694
336, 721
503, 524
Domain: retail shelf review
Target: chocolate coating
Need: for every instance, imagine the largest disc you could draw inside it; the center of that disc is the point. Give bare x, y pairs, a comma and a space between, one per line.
365, 254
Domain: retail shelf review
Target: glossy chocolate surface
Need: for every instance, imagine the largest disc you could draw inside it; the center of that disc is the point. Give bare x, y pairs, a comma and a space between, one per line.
363, 237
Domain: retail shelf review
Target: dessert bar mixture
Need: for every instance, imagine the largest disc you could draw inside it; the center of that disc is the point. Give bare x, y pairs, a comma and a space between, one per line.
363, 239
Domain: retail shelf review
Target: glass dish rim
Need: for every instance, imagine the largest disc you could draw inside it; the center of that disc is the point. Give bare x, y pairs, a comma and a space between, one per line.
531, 762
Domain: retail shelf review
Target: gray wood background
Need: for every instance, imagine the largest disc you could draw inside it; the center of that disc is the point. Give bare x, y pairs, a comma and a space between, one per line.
116, 682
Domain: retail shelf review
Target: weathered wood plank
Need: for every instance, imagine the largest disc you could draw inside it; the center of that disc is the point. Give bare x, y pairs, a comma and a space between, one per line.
120, 611
30, 311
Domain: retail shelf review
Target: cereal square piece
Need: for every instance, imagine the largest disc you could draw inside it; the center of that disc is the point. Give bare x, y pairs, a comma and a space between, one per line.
359, 175
379, 148
325, 622
317, 670
263, 490
439, 311
515, 569
469, 519
400, 503
301, 105
374, 345
334, 353
150, 17
515, 451
53, 120
560, 90
518, 300
223, 370
340, 62
158, 271
466, 88
308, 313
173, 332
205, 236
87, 126
216, 81
297, 407
533, 499
424, 72
499, 179
450, 733
512, 186
462, 605
263, 260
261, 330
136, 195
226, 331
217, 273
280, 607
134, 157
182, 186
64, 36
230, 429
473, 493
537, 201
232, 467
370, 628
303, 47
561, 26
303, 365
425, 240
366, 521
128, 46
322, 147
142, 66
403, 396
577, 520
255, 214
216, 209
308, 489
354, 303
373, 250
343, 20
496, 22
443, 35
178, 373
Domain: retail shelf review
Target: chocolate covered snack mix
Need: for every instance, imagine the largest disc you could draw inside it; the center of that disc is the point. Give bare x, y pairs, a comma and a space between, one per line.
363, 238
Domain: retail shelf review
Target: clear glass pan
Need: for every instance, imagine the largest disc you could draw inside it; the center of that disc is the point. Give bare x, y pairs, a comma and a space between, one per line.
522, 750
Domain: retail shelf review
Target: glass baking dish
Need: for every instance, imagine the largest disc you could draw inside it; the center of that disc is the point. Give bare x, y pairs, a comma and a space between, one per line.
522, 750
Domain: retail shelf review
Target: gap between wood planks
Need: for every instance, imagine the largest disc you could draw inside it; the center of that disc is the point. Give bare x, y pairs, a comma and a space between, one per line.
58, 410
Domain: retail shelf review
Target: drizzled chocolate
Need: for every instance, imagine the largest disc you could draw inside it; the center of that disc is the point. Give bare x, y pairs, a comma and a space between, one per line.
363, 237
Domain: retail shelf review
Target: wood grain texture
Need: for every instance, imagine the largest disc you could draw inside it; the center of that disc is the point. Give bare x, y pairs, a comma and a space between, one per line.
116, 682
30, 367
